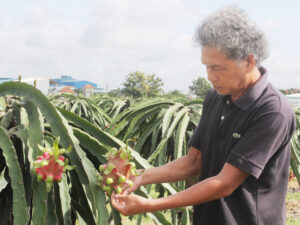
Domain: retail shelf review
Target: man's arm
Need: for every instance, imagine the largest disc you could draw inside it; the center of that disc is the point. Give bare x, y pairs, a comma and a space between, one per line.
210, 189
179, 169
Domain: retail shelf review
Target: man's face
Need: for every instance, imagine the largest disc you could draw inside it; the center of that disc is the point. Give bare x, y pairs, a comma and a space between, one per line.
227, 76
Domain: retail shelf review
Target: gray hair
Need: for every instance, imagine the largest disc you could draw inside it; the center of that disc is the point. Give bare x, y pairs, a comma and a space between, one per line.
230, 30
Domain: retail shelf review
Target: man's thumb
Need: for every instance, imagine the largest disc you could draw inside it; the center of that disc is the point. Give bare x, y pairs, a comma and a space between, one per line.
120, 197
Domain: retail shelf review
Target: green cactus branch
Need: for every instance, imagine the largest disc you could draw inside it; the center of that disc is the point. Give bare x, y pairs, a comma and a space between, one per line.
87, 173
20, 210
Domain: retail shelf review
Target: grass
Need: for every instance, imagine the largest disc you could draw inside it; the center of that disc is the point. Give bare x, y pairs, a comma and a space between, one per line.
292, 221
293, 196
293, 204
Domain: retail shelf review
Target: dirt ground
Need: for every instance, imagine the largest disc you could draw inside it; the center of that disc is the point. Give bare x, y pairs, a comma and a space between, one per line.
293, 205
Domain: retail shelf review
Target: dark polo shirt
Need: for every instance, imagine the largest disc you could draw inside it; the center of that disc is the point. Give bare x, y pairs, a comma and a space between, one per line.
253, 134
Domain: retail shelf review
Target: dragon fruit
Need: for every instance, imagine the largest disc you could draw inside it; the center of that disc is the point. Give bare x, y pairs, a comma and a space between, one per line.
50, 166
118, 170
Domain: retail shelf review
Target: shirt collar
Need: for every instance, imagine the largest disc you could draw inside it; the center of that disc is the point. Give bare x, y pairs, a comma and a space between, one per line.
254, 92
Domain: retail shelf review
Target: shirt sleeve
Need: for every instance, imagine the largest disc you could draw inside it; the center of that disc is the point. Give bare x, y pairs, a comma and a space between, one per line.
260, 142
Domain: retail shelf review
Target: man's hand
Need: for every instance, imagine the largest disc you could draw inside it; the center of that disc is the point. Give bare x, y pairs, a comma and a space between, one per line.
129, 204
137, 182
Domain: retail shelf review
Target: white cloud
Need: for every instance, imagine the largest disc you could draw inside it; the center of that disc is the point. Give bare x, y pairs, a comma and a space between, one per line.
102, 41
284, 70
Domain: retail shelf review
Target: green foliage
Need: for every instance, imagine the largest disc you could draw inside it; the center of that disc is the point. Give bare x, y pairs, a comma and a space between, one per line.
293, 196
116, 93
161, 126
199, 87
84, 168
138, 84
28, 119
292, 221
84, 107
295, 151
174, 94
20, 210
113, 106
289, 91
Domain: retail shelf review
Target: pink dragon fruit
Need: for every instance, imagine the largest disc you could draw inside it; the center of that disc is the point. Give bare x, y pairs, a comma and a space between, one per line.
50, 166
118, 170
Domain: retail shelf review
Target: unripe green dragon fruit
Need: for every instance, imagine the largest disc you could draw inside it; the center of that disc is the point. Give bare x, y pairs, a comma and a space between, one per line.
50, 166
118, 170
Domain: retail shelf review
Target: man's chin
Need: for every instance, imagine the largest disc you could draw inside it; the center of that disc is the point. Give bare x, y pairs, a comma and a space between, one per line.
221, 91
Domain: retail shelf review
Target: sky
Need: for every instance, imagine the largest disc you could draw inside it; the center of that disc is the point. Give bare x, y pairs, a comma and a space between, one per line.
103, 41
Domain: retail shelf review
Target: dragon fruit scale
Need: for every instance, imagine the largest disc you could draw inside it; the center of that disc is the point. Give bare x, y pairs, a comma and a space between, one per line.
50, 166
118, 170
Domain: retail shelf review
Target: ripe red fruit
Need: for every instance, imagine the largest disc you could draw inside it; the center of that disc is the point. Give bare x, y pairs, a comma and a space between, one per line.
50, 166
117, 171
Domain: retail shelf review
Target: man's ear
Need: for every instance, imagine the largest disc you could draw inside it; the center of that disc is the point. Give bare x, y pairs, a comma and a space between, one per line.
250, 62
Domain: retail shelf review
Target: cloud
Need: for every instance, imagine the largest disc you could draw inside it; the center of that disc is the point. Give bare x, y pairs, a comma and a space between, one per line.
142, 36
113, 39
284, 70
103, 41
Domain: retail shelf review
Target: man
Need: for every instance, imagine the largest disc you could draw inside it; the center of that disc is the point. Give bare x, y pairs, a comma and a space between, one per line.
241, 146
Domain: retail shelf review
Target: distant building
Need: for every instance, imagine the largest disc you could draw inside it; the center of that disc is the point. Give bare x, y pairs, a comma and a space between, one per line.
5, 79
69, 81
68, 90
64, 84
294, 99
87, 87
88, 90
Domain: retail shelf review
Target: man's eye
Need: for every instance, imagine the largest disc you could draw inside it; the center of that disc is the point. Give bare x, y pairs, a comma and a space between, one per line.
217, 68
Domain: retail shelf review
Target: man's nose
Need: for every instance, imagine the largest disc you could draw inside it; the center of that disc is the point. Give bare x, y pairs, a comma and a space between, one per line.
211, 75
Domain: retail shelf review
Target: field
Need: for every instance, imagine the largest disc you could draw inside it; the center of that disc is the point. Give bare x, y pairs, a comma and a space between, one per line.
293, 203
90, 127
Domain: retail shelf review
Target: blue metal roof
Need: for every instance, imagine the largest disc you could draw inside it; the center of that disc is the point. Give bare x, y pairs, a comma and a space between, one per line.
5, 79
69, 81
82, 83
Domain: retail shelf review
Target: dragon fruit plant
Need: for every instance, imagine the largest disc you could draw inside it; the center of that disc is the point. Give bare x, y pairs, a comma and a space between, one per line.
50, 166
116, 173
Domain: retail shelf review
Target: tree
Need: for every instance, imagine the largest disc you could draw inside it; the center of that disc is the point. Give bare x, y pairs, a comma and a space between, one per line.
175, 94
199, 87
115, 92
138, 84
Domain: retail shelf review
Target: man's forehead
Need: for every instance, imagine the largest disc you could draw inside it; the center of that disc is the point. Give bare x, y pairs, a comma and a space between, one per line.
211, 56
210, 53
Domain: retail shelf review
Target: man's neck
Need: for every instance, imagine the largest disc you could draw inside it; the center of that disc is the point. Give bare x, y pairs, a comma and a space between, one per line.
252, 78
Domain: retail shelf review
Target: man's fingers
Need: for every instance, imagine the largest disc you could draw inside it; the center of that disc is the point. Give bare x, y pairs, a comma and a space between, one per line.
113, 200
127, 190
121, 197
125, 187
117, 202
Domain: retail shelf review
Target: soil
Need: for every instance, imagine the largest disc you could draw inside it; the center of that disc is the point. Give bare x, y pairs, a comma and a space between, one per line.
293, 205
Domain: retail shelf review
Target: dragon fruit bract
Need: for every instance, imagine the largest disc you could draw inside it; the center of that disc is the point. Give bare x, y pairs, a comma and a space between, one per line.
118, 170
50, 166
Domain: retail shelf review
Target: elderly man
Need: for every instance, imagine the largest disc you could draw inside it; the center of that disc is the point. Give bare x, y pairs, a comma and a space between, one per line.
241, 147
